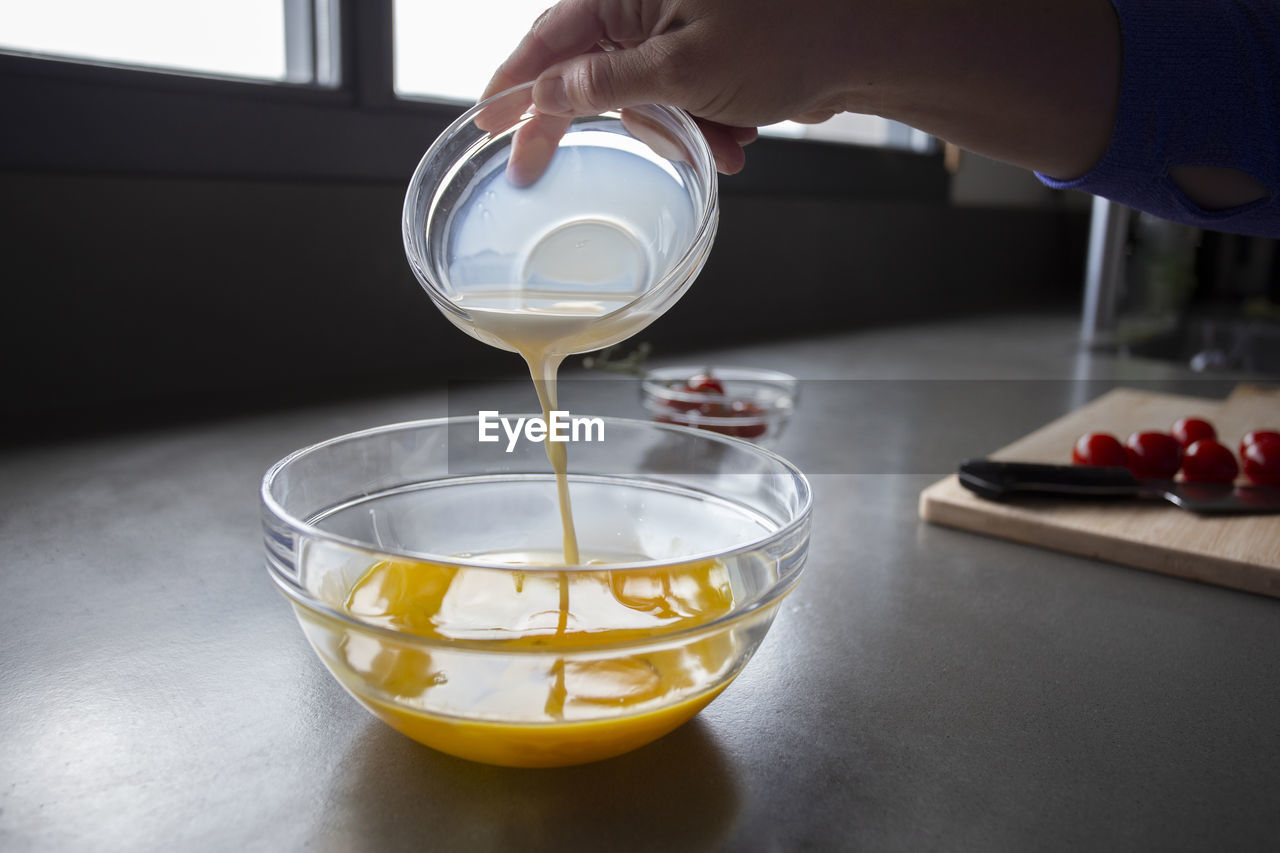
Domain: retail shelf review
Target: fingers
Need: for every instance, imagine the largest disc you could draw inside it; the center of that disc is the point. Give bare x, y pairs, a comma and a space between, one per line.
726, 144
813, 116
575, 77
655, 134
533, 147
564, 31
504, 112
535, 144
743, 135
604, 80
562, 51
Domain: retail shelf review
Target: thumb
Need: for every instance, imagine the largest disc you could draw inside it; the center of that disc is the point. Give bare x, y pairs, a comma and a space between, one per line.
603, 80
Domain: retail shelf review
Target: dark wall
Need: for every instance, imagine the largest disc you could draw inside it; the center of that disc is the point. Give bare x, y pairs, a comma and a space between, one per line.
136, 295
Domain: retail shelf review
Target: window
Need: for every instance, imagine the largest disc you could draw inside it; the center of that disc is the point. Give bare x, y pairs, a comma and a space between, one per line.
448, 50
856, 129
253, 89
277, 40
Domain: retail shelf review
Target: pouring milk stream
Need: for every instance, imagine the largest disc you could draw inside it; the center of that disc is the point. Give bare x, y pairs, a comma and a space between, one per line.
585, 256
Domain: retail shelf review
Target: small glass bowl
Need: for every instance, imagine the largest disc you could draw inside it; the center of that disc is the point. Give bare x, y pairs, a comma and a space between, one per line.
395, 547
619, 210
756, 406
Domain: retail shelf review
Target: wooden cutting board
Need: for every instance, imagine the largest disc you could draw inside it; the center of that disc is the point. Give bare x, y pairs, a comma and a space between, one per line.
1242, 552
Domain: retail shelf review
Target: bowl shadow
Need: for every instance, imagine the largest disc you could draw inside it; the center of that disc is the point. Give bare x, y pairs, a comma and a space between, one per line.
389, 792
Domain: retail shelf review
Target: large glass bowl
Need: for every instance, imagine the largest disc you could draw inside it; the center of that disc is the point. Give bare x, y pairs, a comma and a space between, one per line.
395, 547
613, 213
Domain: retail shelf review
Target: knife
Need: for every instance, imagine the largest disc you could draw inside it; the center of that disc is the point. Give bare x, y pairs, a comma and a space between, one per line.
1000, 480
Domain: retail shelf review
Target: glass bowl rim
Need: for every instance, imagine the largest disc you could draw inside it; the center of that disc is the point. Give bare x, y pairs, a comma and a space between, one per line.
656, 391
766, 598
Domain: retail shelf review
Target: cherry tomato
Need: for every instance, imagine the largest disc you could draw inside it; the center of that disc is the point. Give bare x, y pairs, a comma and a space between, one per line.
1187, 431
686, 397
1209, 461
1099, 448
1154, 455
1256, 436
704, 383
1262, 461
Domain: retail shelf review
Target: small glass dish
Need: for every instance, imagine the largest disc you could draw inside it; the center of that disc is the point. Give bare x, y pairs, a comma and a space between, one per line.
756, 404
419, 562
610, 215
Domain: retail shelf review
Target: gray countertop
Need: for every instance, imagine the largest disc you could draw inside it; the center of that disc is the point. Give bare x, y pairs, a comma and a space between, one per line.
923, 689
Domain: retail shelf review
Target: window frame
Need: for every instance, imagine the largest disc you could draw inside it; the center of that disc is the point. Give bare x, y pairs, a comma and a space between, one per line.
348, 126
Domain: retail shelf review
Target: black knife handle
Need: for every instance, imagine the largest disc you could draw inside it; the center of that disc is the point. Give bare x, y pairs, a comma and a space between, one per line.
998, 480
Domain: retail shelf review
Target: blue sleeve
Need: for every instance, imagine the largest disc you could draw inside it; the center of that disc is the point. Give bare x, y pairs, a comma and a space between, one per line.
1200, 86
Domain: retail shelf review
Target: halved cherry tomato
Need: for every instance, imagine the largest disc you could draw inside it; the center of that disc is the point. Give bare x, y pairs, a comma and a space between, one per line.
1155, 455
702, 398
1187, 431
704, 383
1209, 461
1099, 448
690, 395
1262, 461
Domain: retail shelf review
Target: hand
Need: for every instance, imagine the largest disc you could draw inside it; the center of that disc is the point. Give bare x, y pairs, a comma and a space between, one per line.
1034, 84
593, 55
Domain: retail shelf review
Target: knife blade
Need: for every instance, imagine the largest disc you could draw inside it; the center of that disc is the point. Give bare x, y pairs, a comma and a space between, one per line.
996, 480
